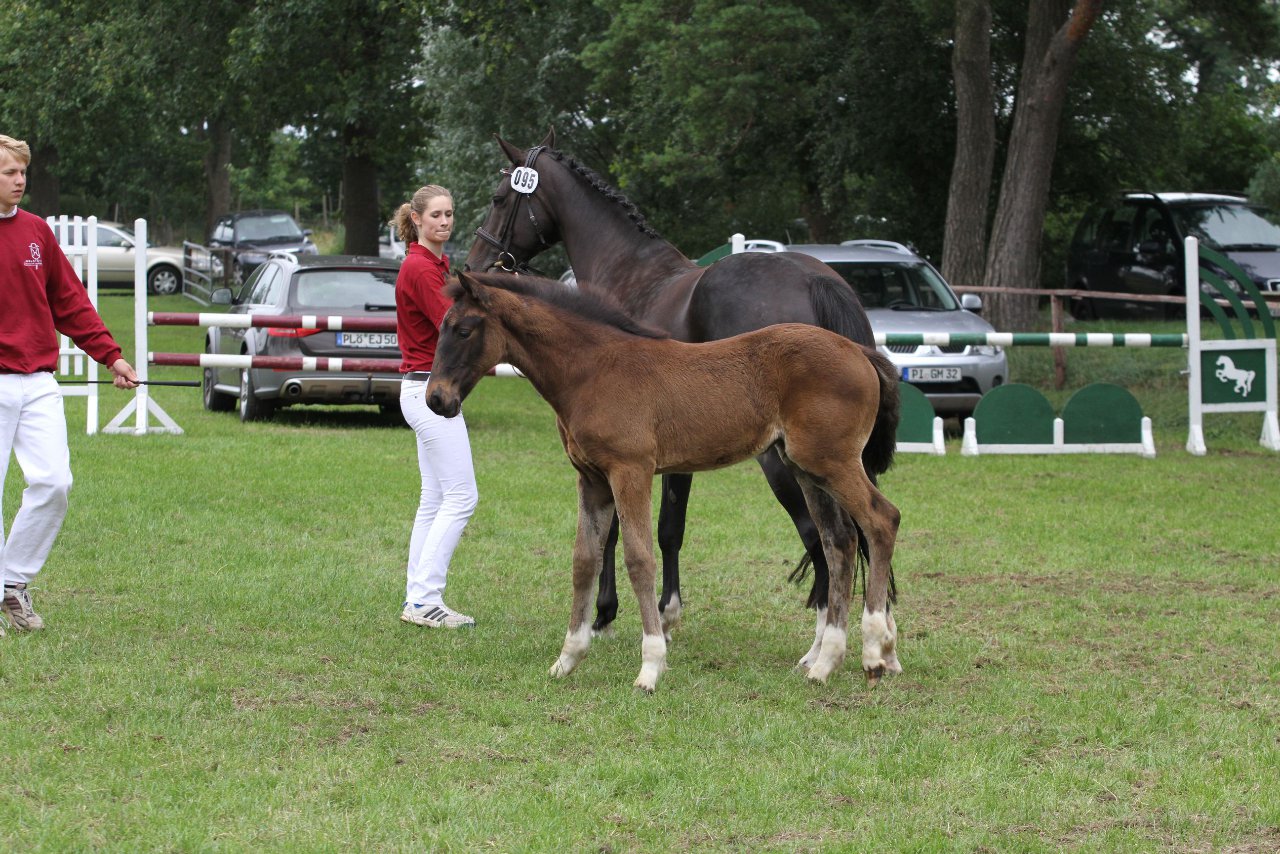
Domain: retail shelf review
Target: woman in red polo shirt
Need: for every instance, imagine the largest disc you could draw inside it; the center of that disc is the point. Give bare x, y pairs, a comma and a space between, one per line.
444, 451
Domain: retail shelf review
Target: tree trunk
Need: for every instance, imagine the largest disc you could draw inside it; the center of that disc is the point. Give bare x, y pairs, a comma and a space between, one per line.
217, 171
43, 188
964, 250
1013, 259
360, 206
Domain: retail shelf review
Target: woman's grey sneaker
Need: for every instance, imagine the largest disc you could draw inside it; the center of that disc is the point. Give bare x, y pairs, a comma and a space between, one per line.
17, 607
435, 617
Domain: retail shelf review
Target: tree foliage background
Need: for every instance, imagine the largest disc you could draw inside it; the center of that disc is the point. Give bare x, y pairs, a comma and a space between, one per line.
796, 120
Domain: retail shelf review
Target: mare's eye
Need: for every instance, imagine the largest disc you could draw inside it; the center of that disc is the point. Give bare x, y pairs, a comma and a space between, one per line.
463, 331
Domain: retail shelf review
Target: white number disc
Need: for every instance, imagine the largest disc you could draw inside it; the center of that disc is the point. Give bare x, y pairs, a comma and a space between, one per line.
524, 179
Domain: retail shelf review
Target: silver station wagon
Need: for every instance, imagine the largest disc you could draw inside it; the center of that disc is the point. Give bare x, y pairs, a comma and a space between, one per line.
287, 284
902, 292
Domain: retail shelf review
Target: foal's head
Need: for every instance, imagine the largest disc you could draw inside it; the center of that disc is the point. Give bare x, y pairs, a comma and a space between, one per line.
475, 333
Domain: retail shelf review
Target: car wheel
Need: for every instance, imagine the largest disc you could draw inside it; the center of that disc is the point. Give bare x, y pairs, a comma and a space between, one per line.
164, 281
1084, 309
214, 400
252, 407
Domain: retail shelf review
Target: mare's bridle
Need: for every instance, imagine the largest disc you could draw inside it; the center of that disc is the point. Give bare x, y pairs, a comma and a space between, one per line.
505, 260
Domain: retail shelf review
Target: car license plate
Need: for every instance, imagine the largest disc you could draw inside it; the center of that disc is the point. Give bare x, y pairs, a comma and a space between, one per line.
368, 339
931, 375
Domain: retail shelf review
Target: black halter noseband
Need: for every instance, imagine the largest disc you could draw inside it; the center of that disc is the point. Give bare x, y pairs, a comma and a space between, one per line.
505, 260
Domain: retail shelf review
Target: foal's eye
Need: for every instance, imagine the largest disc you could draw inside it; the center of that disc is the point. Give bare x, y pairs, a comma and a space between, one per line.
463, 331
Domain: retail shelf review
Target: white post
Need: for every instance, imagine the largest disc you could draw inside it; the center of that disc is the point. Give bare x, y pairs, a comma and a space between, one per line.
142, 404
1195, 414
91, 372
140, 323
737, 243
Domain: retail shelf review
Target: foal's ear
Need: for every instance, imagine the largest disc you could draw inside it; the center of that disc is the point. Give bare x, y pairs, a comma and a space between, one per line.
473, 289
515, 155
550, 140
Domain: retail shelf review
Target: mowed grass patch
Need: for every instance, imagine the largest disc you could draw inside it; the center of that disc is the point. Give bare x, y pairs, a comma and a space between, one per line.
1089, 645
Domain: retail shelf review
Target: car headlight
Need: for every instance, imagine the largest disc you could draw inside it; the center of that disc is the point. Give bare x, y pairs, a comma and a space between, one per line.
985, 350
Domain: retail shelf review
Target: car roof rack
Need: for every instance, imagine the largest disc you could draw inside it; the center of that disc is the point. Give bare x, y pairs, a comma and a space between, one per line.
1207, 195
759, 244
878, 244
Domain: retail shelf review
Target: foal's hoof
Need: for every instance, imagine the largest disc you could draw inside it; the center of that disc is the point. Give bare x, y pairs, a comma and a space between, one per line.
874, 675
818, 673
605, 631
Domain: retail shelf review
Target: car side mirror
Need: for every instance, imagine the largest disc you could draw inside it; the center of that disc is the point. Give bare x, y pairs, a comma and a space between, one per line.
1150, 247
306, 232
220, 296
971, 302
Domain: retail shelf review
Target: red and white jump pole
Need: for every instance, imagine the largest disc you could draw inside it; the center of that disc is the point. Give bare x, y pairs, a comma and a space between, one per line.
292, 363
273, 321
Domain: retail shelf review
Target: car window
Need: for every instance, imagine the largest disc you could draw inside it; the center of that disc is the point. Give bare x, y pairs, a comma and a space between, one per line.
269, 289
1117, 230
278, 227
256, 288
1087, 231
1225, 226
900, 285
110, 237
1152, 227
338, 289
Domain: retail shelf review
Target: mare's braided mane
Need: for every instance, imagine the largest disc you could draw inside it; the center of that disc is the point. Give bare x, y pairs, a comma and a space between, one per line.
599, 185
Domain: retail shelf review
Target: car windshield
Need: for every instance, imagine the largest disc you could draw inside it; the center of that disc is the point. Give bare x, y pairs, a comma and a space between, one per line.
345, 289
277, 228
899, 286
1231, 226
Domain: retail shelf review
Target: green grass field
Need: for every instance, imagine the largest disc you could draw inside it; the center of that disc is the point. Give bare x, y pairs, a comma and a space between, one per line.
1089, 646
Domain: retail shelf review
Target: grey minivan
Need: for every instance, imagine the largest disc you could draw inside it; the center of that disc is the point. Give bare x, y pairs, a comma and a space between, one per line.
1134, 246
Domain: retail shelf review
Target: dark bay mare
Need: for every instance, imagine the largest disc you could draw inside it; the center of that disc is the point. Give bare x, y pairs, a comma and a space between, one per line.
546, 197
630, 403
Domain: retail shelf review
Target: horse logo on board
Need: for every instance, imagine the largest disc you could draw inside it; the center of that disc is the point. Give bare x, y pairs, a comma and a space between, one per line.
1228, 373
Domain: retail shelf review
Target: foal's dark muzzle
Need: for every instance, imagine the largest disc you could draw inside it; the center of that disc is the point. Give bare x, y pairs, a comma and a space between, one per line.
443, 404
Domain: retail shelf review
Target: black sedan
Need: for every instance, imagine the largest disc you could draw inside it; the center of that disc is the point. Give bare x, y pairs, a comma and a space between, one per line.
322, 285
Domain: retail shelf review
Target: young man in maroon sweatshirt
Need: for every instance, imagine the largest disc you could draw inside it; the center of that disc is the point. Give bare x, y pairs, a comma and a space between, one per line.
40, 296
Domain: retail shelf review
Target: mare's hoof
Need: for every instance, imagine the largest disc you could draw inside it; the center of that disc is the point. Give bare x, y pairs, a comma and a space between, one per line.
874, 675
605, 631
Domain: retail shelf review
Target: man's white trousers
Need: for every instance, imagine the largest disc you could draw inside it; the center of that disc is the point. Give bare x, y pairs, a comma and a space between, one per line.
33, 426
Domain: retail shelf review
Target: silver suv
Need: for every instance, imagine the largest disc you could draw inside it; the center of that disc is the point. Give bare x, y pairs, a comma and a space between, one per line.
902, 292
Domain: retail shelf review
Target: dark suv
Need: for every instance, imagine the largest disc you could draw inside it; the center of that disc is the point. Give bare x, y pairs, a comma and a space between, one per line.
1135, 246
253, 235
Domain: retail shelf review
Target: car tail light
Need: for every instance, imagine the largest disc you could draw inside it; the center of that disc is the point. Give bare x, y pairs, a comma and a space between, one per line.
273, 332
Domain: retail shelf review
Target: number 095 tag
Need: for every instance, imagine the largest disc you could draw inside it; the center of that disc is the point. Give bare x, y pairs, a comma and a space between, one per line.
524, 179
